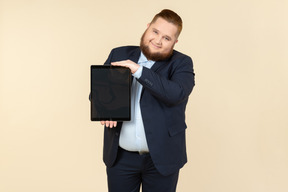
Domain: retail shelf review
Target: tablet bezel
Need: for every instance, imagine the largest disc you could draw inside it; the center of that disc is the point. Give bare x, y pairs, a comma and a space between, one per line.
109, 117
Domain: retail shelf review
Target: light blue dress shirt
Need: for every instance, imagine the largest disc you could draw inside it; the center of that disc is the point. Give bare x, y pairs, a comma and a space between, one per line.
132, 136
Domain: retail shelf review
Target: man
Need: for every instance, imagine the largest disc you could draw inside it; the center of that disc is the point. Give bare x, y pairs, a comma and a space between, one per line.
151, 148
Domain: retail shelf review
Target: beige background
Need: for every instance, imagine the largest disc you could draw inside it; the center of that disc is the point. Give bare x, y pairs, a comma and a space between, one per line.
237, 114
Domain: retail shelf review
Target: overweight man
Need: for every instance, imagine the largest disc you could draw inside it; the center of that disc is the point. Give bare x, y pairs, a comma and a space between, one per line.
149, 150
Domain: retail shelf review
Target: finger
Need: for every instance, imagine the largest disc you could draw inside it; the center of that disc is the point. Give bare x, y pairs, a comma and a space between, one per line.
119, 64
111, 124
123, 63
102, 122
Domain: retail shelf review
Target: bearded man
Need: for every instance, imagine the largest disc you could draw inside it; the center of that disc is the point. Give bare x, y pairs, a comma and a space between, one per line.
150, 149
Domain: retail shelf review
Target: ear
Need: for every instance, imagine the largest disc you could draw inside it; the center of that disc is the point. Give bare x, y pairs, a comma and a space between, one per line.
176, 41
148, 25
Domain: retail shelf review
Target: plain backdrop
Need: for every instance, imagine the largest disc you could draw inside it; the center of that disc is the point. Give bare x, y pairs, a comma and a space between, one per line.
236, 116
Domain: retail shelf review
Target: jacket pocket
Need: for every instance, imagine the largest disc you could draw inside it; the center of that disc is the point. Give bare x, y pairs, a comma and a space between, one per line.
174, 130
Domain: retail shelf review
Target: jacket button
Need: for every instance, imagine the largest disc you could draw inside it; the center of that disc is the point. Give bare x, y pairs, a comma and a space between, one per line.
117, 134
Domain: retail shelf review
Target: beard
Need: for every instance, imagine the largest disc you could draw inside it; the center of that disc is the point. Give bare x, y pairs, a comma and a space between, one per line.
157, 56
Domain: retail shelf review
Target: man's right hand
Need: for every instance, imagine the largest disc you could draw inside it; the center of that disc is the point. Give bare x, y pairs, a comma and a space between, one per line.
110, 124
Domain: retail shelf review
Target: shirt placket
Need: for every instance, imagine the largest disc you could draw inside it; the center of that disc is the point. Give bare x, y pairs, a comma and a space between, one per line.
138, 119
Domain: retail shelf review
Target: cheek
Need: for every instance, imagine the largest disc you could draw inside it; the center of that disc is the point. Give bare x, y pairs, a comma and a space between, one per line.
148, 38
168, 47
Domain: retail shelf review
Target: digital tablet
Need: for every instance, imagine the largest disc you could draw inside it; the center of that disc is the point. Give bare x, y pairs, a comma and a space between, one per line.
110, 94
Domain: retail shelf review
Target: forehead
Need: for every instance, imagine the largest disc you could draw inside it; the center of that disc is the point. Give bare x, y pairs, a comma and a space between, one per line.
164, 27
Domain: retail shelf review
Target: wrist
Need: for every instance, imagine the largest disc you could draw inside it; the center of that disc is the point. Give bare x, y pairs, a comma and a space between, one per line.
138, 72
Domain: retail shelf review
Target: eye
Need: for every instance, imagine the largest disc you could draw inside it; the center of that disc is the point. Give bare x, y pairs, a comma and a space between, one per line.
167, 38
154, 31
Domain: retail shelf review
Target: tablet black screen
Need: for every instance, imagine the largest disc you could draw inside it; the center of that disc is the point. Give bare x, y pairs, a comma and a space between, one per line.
110, 93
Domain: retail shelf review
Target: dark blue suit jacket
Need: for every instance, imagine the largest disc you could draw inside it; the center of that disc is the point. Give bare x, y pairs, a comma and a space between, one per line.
166, 88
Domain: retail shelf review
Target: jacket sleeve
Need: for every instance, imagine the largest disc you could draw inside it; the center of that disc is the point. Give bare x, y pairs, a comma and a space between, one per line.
174, 87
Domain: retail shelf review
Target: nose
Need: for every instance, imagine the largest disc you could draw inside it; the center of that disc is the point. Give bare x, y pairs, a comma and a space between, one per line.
158, 40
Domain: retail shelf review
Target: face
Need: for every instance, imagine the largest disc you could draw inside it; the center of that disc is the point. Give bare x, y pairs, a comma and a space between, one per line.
158, 40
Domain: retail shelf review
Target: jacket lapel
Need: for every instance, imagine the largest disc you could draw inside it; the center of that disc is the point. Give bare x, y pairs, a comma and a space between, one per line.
157, 65
134, 56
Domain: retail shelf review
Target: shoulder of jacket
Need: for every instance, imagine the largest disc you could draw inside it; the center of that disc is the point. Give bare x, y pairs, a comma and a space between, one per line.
124, 53
125, 48
180, 57
177, 54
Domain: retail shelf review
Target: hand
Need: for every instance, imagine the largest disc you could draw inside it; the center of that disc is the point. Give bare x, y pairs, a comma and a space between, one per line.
110, 124
127, 63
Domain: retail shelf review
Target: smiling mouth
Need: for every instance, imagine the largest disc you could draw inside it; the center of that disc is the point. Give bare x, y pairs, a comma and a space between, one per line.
155, 46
